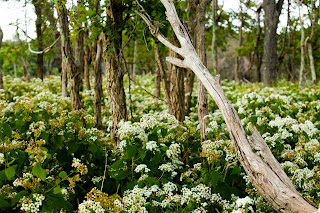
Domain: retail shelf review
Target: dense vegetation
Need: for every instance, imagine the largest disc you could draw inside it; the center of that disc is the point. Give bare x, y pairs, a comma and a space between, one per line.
52, 159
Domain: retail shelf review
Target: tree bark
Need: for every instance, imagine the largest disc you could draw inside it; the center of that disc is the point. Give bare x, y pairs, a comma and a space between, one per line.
302, 61
267, 177
40, 64
98, 92
165, 83
1, 75
237, 59
71, 61
158, 77
215, 36
272, 12
115, 89
87, 60
200, 33
135, 59
177, 96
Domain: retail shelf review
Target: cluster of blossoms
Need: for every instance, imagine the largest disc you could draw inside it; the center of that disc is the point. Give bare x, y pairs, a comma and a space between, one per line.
31, 203
80, 167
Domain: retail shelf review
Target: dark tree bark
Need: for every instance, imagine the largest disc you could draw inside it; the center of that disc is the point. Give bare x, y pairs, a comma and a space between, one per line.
115, 89
38, 9
200, 44
1, 75
272, 12
158, 77
189, 74
87, 60
165, 83
177, 96
71, 62
98, 93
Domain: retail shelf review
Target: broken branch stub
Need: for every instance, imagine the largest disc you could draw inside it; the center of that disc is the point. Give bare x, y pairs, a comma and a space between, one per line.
270, 180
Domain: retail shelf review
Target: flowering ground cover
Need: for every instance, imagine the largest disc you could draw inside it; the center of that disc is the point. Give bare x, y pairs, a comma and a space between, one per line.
52, 161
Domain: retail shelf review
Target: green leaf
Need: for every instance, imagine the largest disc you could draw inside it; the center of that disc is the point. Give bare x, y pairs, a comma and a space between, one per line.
7, 131
18, 197
39, 172
10, 172
142, 154
63, 175
57, 190
131, 151
214, 178
57, 202
4, 204
121, 175
118, 164
93, 148
236, 170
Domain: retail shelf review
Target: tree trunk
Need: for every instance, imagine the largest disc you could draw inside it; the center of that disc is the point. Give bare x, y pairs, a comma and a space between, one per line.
64, 72
189, 74
73, 63
115, 89
165, 83
1, 75
177, 96
302, 62
215, 36
272, 12
98, 92
158, 77
135, 59
87, 60
40, 64
312, 68
200, 33
237, 60
266, 176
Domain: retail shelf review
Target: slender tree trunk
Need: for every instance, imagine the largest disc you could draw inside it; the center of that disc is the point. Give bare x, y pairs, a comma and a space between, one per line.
1, 75
189, 74
98, 93
87, 60
312, 67
165, 83
115, 89
215, 35
201, 50
272, 12
158, 77
40, 64
302, 62
71, 62
177, 96
64, 72
237, 60
25, 65
135, 58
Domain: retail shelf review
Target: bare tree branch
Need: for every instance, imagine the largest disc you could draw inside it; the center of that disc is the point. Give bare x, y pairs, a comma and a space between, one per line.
45, 50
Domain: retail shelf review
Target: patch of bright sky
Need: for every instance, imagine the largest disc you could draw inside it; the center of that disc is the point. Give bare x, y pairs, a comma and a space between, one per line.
16, 12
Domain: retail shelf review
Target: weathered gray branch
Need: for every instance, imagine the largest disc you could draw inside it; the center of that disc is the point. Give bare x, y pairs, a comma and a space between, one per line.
47, 49
268, 178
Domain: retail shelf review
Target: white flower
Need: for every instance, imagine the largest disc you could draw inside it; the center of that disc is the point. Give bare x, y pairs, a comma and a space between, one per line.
2, 158
142, 167
151, 145
167, 167
173, 151
243, 202
89, 206
76, 162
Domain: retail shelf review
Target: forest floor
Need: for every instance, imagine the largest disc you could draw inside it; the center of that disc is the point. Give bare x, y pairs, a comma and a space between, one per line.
52, 161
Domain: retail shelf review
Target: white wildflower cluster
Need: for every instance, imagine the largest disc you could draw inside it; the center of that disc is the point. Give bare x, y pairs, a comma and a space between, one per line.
167, 167
210, 151
2, 159
136, 199
174, 151
89, 206
31, 204
142, 167
152, 146
80, 167
23, 180
131, 129
96, 180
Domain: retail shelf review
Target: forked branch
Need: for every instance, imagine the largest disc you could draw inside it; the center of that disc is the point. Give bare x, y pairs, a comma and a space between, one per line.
266, 176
